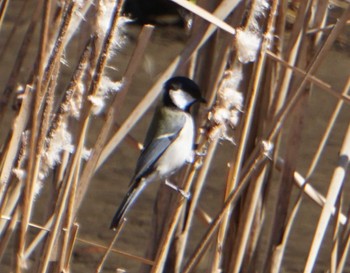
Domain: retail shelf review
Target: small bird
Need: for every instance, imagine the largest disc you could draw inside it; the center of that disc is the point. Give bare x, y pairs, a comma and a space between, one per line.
169, 141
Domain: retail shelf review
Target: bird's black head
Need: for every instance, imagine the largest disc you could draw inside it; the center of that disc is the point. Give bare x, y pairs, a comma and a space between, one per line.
181, 92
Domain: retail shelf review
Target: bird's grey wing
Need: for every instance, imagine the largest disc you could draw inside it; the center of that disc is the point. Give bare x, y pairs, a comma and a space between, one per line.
156, 146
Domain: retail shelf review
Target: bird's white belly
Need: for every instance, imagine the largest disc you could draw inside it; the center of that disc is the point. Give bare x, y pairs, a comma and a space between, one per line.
178, 152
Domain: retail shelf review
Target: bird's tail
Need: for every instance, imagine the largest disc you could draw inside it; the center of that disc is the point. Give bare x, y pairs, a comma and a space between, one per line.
134, 190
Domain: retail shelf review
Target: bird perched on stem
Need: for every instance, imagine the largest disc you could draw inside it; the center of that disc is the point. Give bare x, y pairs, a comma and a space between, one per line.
169, 141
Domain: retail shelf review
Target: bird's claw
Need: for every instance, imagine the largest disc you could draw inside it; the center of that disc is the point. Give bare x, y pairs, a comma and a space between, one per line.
186, 195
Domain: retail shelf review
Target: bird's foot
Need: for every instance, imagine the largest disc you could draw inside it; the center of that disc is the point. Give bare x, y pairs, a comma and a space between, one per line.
186, 195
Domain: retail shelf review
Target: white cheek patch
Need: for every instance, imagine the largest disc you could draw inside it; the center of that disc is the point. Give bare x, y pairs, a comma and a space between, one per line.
180, 98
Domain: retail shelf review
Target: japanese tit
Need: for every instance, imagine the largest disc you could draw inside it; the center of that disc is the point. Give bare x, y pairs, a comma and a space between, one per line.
169, 141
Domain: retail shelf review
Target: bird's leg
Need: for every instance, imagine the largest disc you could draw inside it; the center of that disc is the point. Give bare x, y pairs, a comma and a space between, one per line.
197, 152
186, 195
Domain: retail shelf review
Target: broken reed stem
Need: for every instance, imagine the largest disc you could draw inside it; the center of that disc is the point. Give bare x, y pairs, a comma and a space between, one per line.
307, 189
205, 15
70, 248
10, 152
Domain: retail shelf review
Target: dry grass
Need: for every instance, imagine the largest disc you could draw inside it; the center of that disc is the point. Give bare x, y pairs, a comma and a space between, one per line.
257, 63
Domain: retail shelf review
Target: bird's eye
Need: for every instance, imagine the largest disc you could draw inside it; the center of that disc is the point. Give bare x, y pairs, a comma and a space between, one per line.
175, 87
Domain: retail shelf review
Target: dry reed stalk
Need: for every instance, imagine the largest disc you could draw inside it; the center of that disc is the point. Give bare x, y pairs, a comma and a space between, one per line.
69, 225
3, 8
213, 55
78, 19
5, 238
63, 104
344, 250
320, 20
254, 165
58, 119
283, 113
58, 213
327, 132
108, 250
90, 167
11, 150
323, 85
293, 141
206, 15
277, 51
253, 96
307, 188
310, 191
73, 170
119, 252
317, 59
69, 253
56, 52
336, 233
335, 186
13, 29
39, 238
164, 245
36, 141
